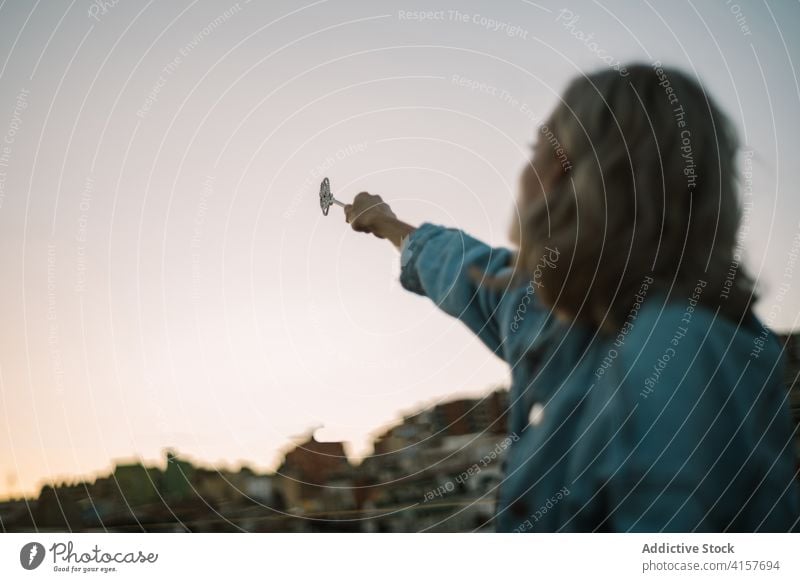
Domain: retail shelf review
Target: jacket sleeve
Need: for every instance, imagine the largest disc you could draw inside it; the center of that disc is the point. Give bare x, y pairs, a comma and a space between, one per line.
438, 262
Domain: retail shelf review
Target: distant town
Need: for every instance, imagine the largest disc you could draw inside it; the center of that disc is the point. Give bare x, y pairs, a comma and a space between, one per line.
438, 469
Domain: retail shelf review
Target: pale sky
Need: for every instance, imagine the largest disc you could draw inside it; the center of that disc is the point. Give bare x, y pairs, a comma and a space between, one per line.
169, 278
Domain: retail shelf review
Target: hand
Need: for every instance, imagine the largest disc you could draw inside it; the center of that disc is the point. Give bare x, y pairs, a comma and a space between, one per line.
368, 213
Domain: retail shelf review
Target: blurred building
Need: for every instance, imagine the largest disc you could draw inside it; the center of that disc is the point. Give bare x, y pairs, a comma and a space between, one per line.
136, 484
306, 471
437, 469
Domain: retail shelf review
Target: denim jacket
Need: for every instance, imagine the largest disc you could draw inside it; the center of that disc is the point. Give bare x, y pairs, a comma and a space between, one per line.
679, 422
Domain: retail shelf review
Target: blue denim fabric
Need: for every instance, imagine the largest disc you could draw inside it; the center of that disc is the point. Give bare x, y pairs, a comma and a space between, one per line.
673, 426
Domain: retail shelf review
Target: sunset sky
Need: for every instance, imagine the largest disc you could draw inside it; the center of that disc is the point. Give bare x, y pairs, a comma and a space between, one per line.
169, 280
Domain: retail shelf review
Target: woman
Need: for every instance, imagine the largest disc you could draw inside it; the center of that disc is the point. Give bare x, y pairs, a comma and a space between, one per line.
646, 395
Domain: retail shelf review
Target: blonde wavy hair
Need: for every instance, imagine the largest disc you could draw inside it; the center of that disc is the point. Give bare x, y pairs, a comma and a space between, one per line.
633, 178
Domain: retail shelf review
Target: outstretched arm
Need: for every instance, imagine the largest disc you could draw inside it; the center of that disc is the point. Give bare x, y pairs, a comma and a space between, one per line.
444, 264
369, 213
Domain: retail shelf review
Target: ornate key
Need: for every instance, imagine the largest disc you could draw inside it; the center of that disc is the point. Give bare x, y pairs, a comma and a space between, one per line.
326, 199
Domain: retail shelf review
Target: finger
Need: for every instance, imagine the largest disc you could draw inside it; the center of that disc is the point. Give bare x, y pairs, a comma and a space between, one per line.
348, 211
